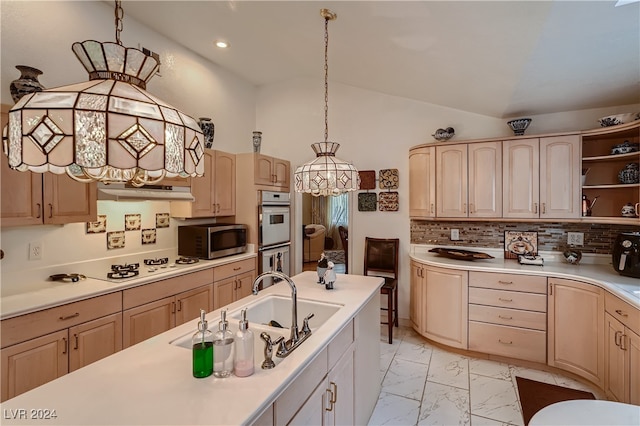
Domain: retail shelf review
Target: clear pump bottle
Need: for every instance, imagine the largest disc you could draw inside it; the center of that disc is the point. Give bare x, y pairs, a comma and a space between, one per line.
202, 347
223, 348
243, 362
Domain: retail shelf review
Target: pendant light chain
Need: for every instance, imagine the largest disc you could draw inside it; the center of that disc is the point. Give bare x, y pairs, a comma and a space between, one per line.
326, 78
119, 13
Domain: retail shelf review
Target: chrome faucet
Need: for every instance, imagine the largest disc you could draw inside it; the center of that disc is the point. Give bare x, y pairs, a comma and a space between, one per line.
294, 337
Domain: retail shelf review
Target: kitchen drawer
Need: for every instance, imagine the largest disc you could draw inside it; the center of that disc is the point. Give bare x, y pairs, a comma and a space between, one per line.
165, 288
25, 327
513, 282
509, 317
513, 342
235, 268
622, 311
340, 344
508, 299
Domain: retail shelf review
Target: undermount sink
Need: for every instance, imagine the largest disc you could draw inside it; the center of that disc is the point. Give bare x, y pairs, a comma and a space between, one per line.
278, 308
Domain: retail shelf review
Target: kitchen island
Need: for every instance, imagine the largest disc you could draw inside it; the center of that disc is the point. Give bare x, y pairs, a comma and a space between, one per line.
151, 382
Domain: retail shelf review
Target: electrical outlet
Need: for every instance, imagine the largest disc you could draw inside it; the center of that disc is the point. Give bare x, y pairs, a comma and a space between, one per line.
35, 250
455, 234
575, 238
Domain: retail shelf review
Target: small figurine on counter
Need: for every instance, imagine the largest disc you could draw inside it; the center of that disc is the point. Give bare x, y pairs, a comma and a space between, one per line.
329, 276
322, 267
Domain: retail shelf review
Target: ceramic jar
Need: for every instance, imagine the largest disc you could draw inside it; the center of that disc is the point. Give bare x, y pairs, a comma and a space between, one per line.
27, 83
630, 174
208, 129
628, 210
257, 141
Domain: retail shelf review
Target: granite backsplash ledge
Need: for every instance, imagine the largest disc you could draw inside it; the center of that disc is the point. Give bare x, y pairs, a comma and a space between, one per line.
552, 236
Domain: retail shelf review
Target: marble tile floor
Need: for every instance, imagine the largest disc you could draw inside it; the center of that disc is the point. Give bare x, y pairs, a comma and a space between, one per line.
425, 385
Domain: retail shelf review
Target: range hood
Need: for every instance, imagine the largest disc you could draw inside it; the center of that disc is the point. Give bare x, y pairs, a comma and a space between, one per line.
127, 192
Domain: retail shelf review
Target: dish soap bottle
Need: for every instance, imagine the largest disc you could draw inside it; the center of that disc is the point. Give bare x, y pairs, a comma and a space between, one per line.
223, 348
202, 344
243, 363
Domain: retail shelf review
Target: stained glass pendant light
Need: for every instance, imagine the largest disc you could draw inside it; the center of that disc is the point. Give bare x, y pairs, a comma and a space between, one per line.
326, 174
108, 129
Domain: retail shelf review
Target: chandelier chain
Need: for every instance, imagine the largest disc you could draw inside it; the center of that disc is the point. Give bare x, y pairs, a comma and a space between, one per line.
326, 79
119, 14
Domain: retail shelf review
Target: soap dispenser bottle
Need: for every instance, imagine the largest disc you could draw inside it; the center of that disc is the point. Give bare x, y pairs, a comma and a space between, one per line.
243, 362
223, 348
202, 347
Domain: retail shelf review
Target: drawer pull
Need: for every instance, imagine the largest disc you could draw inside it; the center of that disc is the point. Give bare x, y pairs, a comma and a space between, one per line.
505, 282
510, 342
237, 268
505, 300
77, 314
505, 318
621, 313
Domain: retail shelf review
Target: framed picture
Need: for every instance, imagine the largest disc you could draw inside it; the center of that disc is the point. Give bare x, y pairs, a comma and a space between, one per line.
520, 242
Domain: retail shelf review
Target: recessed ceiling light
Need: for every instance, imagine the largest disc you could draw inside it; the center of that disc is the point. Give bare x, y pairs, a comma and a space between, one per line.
221, 44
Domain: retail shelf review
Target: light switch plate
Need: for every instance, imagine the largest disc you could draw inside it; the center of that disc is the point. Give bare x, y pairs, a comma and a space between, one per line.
455, 234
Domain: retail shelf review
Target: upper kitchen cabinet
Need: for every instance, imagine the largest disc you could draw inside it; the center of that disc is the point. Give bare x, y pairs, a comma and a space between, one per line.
215, 192
43, 198
606, 153
268, 172
469, 182
541, 177
422, 182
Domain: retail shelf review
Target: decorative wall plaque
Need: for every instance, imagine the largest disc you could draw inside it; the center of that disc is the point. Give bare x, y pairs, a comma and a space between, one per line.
389, 179
520, 243
388, 201
132, 222
367, 179
115, 240
367, 202
99, 226
148, 236
162, 220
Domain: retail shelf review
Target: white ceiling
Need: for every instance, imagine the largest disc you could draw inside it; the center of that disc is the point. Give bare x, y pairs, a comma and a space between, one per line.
496, 58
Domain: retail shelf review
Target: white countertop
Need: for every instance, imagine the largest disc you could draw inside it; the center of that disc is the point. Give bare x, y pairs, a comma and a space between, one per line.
585, 412
35, 292
151, 382
592, 269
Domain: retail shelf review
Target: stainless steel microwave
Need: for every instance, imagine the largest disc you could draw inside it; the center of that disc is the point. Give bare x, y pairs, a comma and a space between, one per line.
211, 241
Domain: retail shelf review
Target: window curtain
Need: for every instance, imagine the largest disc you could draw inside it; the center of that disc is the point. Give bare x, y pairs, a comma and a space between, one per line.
331, 212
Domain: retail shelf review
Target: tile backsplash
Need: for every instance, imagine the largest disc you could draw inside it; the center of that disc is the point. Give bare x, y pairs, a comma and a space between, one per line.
552, 236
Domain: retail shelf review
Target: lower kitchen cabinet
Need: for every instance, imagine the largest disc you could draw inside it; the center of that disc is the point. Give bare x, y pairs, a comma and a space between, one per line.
44, 345
622, 351
151, 319
233, 282
444, 302
576, 328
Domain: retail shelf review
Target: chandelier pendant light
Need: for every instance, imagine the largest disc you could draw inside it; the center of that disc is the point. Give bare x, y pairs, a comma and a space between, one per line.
108, 129
326, 174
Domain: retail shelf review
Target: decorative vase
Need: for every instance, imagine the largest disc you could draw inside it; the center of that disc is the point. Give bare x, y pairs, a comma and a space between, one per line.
257, 141
208, 128
519, 125
630, 174
27, 83
628, 210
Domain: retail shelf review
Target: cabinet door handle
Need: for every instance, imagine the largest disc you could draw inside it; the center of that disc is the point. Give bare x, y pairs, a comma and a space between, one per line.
505, 282
544, 208
510, 342
39, 215
333, 395
535, 207
64, 341
505, 318
505, 300
621, 313
179, 305
173, 307
617, 338
75, 338
77, 314
464, 207
623, 339
471, 208
431, 208
50, 210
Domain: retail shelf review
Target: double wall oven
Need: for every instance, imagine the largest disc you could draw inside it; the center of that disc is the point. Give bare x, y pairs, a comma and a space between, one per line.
274, 233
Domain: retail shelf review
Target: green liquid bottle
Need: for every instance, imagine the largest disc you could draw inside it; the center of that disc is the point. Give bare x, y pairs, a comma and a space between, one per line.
202, 349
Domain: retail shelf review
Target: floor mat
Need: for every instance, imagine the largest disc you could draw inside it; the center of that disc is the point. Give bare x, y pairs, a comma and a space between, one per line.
534, 396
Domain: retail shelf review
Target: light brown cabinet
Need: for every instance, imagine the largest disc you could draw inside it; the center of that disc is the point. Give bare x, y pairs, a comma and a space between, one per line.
521, 178
440, 308
214, 192
44, 345
603, 168
469, 180
507, 315
422, 182
622, 351
43, 198
272, 171
157, 307
576, 328
233, 282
